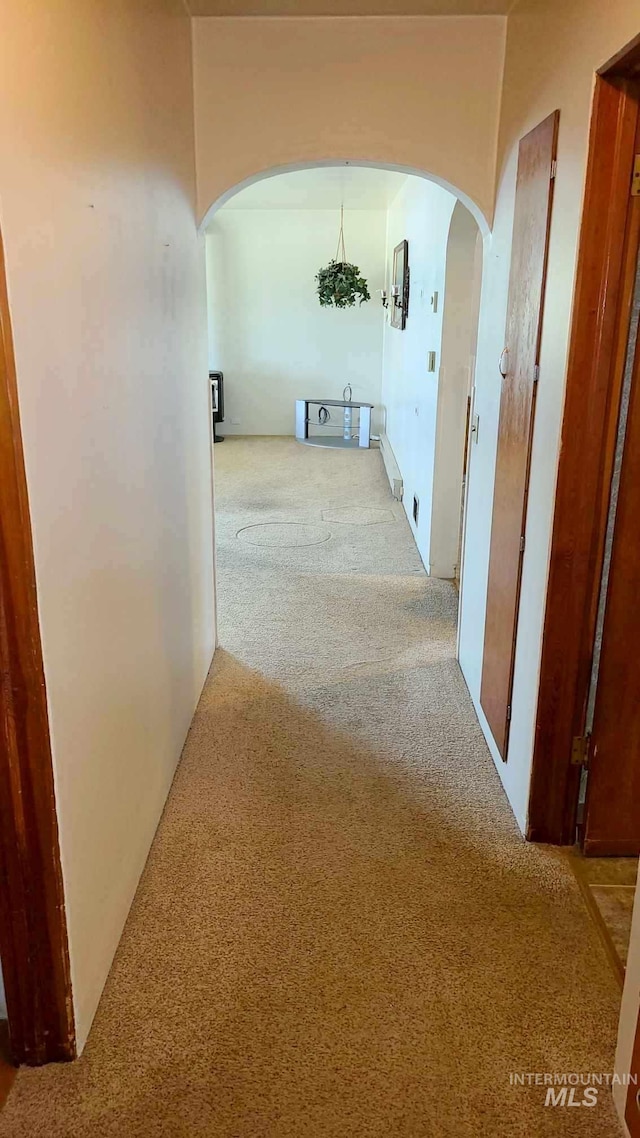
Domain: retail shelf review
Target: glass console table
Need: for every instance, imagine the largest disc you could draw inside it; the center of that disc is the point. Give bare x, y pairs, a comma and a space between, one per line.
353, 435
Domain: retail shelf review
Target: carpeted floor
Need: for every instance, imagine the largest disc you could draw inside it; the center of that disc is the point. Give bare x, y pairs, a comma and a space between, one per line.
340, 932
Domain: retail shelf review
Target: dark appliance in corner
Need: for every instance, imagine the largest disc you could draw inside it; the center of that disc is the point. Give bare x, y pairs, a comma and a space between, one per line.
217, 402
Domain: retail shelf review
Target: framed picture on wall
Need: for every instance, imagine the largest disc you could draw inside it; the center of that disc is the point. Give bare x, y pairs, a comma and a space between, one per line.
400, 286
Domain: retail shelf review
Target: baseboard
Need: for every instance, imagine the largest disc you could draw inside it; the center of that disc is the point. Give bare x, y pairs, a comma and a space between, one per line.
391, 467
445, 570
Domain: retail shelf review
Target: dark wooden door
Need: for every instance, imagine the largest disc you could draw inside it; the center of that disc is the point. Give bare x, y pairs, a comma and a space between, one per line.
534, 190
612, 811
33, 930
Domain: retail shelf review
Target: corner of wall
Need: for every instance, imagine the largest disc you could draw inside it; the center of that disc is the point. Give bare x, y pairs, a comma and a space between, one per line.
499, 115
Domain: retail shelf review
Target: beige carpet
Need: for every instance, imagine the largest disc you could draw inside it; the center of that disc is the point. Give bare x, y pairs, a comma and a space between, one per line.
340, 932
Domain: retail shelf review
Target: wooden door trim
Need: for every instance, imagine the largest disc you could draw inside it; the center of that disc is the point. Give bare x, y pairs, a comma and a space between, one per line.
625, 64
609, 824
33, 932
584, 471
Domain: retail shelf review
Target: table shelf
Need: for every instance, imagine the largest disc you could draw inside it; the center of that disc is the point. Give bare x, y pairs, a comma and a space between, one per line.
361, 430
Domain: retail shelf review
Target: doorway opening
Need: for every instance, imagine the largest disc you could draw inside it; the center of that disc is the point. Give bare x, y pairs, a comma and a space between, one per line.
274, 347
585, 789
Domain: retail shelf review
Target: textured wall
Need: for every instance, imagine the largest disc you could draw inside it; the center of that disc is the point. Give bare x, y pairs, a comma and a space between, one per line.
106, 282
421, 214
417, 92
553, 51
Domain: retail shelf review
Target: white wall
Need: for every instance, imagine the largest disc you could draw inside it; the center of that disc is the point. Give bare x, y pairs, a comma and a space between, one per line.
459, 336
106, 287
267, 330
421, 213
422, 92
552, 53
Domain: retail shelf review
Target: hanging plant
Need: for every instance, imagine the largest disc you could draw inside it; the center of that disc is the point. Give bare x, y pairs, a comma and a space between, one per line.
340, 284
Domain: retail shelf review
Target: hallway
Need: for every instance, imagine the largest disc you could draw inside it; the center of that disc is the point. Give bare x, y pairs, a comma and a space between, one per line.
340, 931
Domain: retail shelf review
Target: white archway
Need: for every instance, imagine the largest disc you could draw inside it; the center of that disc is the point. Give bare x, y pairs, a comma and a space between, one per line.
432, 464
461, 306
274, 171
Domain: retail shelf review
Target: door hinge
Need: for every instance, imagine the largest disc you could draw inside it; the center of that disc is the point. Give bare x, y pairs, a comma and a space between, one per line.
580, 750
522, 544
508, 713
635, 178
554, 167
536, 373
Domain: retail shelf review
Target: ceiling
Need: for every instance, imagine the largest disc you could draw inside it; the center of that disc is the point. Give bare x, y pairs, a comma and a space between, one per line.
349, 7
325, 187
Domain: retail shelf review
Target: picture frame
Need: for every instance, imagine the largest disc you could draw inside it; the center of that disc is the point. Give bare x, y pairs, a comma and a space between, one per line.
399, 300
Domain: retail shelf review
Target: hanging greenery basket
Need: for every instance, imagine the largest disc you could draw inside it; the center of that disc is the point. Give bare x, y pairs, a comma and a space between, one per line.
340, 284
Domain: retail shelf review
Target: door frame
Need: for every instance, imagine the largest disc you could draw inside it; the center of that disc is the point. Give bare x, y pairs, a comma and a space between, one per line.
33, 932
601, 305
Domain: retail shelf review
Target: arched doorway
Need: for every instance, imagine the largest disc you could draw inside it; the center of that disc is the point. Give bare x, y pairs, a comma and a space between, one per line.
329, 163
456, 428
426, 370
